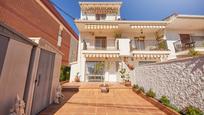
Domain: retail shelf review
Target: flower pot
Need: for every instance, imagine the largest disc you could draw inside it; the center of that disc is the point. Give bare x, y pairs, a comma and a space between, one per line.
128, 83
104, 88
76, 79
131, 66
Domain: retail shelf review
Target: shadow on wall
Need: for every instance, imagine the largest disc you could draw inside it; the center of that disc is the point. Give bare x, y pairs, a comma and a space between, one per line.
53, 108
197, 64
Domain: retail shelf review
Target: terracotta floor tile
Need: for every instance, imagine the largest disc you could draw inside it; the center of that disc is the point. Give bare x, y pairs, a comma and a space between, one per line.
89, 100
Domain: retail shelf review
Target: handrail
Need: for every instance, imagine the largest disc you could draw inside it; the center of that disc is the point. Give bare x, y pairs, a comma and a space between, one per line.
179, 46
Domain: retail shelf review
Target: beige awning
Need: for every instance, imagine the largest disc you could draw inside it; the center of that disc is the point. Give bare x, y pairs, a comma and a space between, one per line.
150, 56
146, 26
104, 55
101, 26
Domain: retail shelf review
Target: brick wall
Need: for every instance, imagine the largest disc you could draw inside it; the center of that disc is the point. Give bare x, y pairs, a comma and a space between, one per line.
30, 19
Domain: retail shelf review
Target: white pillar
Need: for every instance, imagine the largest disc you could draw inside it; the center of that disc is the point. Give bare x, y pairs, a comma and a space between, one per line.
82, 68
106, 71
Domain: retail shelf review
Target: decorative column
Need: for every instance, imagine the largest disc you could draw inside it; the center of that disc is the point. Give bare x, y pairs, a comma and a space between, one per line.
83, 68
106, 70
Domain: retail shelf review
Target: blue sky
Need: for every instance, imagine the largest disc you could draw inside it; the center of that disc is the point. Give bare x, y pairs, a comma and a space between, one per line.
138, 9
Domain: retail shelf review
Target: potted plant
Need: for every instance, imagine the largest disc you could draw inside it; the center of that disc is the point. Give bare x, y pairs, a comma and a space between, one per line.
131, 66
125, 76
104, 88
77, 79
162, 45
118, 35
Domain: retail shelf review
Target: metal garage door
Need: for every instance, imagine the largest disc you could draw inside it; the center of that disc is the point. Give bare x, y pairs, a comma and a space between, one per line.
43, 81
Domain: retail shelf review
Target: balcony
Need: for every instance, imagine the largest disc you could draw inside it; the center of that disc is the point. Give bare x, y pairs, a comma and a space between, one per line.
149, 49
148, 45
183, 46
196, 42
107, 50
146, 48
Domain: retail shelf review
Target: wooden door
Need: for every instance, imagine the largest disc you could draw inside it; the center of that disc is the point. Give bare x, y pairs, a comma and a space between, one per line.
43, 82
185, 38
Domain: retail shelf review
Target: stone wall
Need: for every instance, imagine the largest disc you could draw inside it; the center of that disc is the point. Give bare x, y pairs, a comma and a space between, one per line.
181, 80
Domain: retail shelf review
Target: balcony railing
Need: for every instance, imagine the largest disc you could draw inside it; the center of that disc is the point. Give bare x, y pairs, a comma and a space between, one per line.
110, 46
183, 46
148, 45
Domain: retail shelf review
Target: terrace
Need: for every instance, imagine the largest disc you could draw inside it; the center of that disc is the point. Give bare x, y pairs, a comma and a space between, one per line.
88, 99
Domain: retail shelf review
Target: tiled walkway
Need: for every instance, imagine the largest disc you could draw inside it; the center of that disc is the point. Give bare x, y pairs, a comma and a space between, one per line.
119, 101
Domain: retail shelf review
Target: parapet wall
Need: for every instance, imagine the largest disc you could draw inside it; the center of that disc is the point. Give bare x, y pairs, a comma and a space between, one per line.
182, 81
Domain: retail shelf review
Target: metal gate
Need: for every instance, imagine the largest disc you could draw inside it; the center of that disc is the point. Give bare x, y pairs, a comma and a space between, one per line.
43, 81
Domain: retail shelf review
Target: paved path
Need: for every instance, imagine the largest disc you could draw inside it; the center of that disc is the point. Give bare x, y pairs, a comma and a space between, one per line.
90, 101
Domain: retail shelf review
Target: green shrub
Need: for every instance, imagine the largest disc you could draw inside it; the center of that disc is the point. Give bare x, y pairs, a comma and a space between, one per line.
165, 101
65, 73
150, 93
162, 45
174, 108
193, 111
135, 86
141, 89
193, 53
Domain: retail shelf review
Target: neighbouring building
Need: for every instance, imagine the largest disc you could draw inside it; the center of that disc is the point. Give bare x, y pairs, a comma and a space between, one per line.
39, 18
34, 42
108, 43
184, 32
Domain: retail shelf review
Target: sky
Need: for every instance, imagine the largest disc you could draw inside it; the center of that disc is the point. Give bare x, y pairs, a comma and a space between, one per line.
137, 9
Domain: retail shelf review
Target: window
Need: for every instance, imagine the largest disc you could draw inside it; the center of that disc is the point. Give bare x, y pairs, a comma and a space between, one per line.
139, 43
100, 16
3, 48
95, 71
100, 43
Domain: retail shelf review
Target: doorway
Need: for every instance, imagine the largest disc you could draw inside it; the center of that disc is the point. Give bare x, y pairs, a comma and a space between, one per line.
43, 82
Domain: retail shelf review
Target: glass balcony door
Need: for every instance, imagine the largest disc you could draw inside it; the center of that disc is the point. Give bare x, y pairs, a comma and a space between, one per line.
100, 43
95, 71
139, 44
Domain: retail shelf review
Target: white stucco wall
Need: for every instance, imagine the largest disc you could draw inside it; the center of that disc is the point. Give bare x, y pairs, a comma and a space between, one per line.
74, 71
124, 46
182, 81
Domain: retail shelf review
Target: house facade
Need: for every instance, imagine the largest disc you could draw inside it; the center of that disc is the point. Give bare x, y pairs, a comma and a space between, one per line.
107, 43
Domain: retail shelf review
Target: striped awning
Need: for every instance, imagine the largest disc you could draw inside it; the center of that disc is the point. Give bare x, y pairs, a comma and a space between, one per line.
146, 26
150, 55
101, 26
104, 55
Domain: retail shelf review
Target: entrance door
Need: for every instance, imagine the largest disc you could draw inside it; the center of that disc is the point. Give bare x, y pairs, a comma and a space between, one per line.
43, 81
